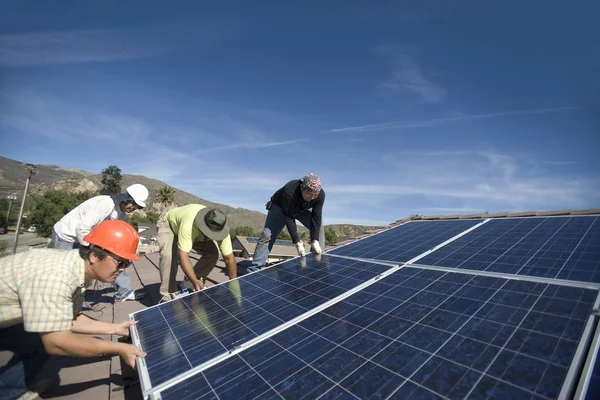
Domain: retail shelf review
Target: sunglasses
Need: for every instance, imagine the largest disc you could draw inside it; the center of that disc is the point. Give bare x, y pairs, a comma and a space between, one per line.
121, 264
133, 203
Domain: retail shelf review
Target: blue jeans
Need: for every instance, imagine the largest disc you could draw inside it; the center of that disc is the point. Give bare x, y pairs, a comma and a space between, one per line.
123, 281
273, 226
28, 359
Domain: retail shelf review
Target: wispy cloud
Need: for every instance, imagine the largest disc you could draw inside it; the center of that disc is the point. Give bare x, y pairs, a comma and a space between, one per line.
30, 112
489, 179
562, 162
408, 75
400, 125
253, 145
37, 48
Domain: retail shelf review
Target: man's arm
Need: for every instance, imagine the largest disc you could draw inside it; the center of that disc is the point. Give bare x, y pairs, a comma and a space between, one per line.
317, 217
231, 265
188, 269
86, 325
67, 343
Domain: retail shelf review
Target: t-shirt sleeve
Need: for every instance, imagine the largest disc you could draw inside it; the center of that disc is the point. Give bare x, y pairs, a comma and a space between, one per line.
225, 246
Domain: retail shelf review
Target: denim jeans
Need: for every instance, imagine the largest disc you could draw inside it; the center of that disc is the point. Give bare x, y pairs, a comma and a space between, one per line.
273, 226
123, 281
28, 359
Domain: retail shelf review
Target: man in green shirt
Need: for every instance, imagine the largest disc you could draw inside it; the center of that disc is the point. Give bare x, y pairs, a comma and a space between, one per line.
197, 227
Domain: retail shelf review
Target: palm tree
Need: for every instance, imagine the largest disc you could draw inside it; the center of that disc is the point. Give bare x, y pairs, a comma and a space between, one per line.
166, 195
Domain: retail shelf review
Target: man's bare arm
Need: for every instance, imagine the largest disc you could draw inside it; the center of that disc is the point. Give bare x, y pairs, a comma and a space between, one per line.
86, 325
188, 269
231, 266
67, 343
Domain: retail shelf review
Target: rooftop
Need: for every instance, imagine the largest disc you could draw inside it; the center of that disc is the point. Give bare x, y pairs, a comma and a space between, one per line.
107, 378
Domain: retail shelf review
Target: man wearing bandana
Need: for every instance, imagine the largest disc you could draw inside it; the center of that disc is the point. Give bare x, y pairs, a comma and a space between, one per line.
197, 227
300, 199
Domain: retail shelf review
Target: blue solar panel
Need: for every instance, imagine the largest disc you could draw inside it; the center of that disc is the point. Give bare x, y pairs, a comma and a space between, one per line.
593, 391
277, 241
415, 334
184, 333
406, 241
557, 247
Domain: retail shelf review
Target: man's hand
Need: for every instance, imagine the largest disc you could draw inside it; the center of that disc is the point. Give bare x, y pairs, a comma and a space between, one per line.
315, 247
129, 352
300, 248
122, 328
197, 285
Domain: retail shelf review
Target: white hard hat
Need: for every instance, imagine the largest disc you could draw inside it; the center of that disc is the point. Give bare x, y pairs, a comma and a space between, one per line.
138, 193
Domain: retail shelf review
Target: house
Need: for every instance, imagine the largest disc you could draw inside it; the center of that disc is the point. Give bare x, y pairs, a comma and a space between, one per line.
148, 234
244, 246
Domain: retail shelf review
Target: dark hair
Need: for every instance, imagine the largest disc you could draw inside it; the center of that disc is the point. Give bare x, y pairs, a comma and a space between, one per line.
85, 252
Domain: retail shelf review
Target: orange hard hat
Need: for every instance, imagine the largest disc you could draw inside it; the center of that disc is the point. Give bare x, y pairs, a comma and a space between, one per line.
115, 236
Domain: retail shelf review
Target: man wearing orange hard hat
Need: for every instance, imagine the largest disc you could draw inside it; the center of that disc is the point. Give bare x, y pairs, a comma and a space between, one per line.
41, 296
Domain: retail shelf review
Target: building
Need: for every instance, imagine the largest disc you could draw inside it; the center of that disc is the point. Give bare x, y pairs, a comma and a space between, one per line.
244, 246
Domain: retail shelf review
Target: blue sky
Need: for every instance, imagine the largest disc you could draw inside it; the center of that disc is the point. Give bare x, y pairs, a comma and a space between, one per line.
429, 107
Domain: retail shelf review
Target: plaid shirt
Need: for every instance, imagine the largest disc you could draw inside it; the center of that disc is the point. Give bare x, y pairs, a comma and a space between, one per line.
42, 288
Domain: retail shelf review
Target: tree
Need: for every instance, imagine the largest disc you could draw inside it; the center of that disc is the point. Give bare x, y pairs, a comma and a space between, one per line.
137, 219
331, 237
284, 236
111, 180
243, 231
165, 195
52, 206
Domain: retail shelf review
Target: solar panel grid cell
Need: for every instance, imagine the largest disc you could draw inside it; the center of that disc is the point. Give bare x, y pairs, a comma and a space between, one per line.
415, 334
405, 242
557, 248
185, 333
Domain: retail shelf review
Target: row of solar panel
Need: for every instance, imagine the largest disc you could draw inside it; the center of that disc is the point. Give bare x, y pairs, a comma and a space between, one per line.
557, 247
183, 334
272, 297
412, 335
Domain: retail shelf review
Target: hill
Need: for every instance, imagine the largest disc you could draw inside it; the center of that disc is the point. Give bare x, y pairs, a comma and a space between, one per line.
13, 175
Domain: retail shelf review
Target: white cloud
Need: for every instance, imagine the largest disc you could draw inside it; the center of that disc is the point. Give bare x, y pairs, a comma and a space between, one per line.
407, 75
37, 48
401, 125
30, 112
475, 180
562, 162
247, 145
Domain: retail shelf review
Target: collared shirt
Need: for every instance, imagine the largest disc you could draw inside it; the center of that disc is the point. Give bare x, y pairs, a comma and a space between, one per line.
41, 288
181, 220
74, 226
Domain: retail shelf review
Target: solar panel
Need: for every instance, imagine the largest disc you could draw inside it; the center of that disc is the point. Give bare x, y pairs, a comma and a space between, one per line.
417, 334
182, 334
589, 383
406, 241
555, 247
593, 390
277, 241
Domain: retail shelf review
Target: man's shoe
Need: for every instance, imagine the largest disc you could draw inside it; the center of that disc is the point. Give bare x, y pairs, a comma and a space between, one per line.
36, 389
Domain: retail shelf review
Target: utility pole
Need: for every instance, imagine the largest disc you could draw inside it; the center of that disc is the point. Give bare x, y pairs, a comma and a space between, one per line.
10, 197
32, 170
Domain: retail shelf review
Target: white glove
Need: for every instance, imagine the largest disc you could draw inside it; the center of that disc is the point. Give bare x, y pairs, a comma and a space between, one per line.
315, 247
300, 248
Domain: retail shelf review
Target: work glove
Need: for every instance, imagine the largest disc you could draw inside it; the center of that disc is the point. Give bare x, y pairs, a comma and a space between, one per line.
315, 247
300, 248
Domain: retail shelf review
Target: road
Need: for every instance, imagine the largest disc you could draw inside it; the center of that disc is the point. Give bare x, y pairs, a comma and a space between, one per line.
25, 239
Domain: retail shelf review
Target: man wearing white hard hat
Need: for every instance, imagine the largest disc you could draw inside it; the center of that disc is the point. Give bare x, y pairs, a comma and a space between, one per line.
69, 232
